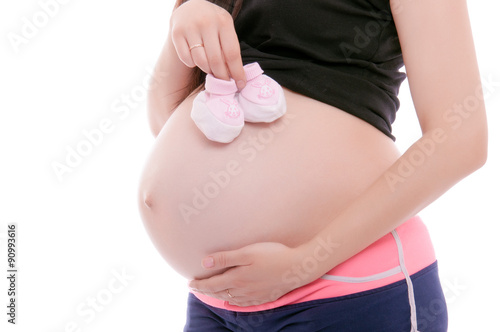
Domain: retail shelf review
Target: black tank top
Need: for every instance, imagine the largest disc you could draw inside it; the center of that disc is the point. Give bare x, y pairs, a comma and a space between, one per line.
345, 53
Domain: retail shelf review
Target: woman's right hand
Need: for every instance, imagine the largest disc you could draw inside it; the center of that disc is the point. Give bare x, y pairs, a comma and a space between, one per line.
202, 22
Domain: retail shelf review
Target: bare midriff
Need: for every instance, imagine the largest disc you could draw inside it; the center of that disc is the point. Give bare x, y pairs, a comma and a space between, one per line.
280, 182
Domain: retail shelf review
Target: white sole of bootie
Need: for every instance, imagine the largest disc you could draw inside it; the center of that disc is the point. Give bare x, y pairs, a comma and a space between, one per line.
214, 129
263, 113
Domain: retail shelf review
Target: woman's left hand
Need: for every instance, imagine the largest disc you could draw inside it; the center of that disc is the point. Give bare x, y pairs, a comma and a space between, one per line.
258, 273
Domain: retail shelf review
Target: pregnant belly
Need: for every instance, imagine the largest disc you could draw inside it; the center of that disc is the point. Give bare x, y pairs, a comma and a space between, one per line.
277, 182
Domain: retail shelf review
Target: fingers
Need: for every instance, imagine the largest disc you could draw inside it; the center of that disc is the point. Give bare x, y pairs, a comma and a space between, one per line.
210, 57
226, 259
215, 61
211, 26
215, 285
182, 48
232, 54
199, 57
218, 288
218, 56
221, 282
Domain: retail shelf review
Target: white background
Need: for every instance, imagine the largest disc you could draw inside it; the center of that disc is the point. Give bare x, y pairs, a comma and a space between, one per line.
75, 234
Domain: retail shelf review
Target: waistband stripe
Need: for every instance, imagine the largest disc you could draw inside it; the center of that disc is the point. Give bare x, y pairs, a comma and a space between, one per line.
385, 274
411, 296
357, 280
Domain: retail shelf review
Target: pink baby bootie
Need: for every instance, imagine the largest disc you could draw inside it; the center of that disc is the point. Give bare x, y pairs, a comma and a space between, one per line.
262, 99
216, 111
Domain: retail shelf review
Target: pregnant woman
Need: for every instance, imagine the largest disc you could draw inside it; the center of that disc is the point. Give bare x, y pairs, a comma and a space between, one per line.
309, 222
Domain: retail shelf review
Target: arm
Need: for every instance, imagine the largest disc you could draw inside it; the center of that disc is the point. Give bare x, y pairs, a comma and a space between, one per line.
194, 22
171, 77
446, 88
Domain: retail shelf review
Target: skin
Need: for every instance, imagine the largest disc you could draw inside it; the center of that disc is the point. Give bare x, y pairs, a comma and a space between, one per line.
442, 72
275, 186
214, 29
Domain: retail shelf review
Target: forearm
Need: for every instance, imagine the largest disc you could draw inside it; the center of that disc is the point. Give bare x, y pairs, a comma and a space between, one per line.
169, 84
437, 161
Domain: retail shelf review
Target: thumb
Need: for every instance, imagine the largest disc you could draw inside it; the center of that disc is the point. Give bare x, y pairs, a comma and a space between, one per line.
226, 259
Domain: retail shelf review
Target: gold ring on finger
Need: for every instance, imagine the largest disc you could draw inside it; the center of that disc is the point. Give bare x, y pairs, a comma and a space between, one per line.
195, 46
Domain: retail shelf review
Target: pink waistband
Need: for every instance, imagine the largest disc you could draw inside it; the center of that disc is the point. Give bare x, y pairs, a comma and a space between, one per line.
379, 258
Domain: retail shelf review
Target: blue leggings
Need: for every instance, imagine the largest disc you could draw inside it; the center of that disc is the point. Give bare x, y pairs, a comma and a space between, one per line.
384, 309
